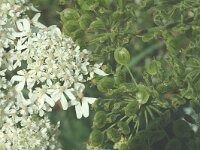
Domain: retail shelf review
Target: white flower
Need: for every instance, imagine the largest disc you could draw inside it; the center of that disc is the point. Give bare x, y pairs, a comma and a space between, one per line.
23, 25
58, 94
35, 22
41, 96
81, 103
96, 69
82, 108
23, 77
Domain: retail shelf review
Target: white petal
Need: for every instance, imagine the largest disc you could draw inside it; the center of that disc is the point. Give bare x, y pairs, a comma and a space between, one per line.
19, 34
100, 72
20, 72
19, 25
33, 8
16, 78
49, 100
36, 17
21, 47
78, 111
56, 96
26, 25
30, 84
79, 87
49, 82
73, 103
64, 102
90, 100
20, 97
20, 86
39, 25
85, 109
17, 64
70, 95
98, 65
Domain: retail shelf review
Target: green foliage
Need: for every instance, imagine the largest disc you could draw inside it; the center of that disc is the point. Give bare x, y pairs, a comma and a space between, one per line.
182, 129
174, 144
151, 48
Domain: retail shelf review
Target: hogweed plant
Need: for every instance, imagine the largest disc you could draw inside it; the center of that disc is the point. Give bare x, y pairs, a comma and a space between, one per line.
150, 48
148, 87
39, 67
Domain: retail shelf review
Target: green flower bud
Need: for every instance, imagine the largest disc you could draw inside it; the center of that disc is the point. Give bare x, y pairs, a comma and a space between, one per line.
85, 20
96, 138
113, 135
123, 127
153, 67
69, 14
99, 119
116, 15
143, 94
111, 118
71, 26
106, 106
97, 24
131, 108
105, 84
116, 107
123, 147
122, 56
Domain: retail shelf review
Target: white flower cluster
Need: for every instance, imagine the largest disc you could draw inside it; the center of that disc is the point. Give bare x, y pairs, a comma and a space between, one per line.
39, 67
21, 128
28, 133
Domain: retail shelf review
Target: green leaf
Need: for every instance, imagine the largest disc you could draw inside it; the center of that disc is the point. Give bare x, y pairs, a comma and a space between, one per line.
99, 119
156, 136
174, 144
96, 138
195, 105
122, 56
182, 129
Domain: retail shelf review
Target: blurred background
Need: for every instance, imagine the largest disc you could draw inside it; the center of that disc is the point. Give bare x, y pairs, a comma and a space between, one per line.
74, 132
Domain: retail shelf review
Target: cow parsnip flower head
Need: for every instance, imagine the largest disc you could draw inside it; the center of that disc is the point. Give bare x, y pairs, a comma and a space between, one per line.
52, 63
39, 66
28, 132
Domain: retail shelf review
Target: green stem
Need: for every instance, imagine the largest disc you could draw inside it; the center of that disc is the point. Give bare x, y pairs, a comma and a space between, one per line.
129, 71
